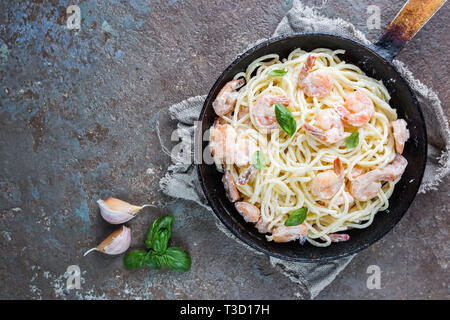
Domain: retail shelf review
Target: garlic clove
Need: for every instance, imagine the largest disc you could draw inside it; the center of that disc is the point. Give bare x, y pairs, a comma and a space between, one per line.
119, 205
116, 243
116, 211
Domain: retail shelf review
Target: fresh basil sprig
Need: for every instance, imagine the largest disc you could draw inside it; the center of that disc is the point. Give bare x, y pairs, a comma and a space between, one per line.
177, 259
259, 161
157, 253
352, 141
159, 234
285, 119
154, 260
296, 217
136, 259
277, 73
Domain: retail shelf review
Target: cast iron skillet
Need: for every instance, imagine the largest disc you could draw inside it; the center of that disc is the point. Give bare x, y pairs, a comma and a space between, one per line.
376, 62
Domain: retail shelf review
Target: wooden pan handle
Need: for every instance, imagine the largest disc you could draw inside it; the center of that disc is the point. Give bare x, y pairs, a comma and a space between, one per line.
413, 15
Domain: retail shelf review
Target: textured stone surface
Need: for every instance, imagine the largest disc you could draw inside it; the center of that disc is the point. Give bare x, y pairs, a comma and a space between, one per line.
78, 114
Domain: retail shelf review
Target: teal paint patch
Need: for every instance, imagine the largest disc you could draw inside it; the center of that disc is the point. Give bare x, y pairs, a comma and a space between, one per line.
170, 3
118, 54
34, 189
83, 212
107, 28
4, 53
141, 6
129, 22
105, 193
287, 5
83, 209
35, 193
60, 218
155, 118
89, 13
102, 171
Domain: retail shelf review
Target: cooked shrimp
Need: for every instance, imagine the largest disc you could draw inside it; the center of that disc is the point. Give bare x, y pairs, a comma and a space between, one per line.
337, 237
249, 211
244, 112
367, 186
223, 141
226, 99
246, 176
394, 169
326, 184
341, 198
307, 67
282, 233
401, 134
263, 227
334, 237
356, 172
357, 109
227, 148
230, 187
245, 148
314, 84
328, 127
264, 112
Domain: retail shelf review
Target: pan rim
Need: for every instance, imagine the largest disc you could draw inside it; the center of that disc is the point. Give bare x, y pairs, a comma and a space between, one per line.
250, 243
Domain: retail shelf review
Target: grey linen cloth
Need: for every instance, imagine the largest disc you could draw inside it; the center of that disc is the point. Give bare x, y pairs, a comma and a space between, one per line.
181, 179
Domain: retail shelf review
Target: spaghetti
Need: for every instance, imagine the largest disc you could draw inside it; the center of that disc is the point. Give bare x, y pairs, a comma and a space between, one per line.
295, 163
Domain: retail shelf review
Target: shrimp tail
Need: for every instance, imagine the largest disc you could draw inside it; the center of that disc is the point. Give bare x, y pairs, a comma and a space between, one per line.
357, 110
262, 226
248, 211
339, 170
226, 98
401, 134
394, 169
281, 99
302, 239
314, 130
307, 67
230, 188
337, 166
246, 175
339, 237
342, 112
238, 83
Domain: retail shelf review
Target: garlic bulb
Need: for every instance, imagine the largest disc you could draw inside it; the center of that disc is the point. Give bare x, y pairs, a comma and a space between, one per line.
116, 243
116, 211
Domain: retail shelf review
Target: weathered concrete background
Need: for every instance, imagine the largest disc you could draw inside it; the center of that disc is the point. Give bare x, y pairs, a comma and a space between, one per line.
78, 111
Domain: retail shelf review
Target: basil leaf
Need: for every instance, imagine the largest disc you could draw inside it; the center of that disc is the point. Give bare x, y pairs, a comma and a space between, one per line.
297, 217
277, 73
259, 161
159, 224
285, 119
135, 259
154, 261
352, 141
160, 240
177, 259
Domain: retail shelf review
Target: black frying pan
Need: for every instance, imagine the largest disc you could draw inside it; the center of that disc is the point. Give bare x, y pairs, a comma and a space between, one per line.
376, 62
